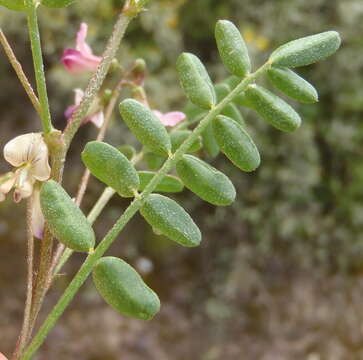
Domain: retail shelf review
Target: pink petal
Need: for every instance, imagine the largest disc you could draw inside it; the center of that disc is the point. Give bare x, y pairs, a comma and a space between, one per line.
96, 119
81, 44
69, 111
76, 62
170, 118
158, 114
173, 118
2, 357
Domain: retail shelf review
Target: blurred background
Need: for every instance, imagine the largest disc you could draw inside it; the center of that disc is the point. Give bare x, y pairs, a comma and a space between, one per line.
278, 274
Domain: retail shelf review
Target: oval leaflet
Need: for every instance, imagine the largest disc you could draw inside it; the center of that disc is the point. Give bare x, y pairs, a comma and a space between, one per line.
209, 142
232, 48
123, 288
65, 219
146, 126
111, 167
236, 144
291, 84
307, 50
272, 108
205, 181
171, 220
169, 183
195, 81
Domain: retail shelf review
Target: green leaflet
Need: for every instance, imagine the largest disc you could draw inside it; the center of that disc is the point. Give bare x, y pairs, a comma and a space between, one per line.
232, 48
193, 111
146, 126
273, 109
177, 137
239, 99
57, 3
209, 142
171, 220
17, 5
292, 85
232, 112
123, 288
195, 81
236, 144
111, 167
154, 161
205, 181
169, 183
307, 50
65, 219
127, 150
222, 90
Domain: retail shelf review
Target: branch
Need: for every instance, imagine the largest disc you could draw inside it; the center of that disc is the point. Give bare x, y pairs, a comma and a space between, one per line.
133, 208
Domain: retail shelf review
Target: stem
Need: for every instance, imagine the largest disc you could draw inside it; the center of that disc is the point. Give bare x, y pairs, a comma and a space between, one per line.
136, 204
38, 65
29, 294
19, 72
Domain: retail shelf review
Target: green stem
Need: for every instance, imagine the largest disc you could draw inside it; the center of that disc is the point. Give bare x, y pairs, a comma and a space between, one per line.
87, 266
38, 65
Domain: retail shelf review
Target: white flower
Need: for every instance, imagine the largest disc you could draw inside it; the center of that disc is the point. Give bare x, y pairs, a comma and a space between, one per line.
28, 153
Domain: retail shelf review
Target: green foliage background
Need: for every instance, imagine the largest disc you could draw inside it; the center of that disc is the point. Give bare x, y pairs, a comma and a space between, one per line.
301, 211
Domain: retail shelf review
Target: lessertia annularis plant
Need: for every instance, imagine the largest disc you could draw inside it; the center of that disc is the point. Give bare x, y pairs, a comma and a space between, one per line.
170, 142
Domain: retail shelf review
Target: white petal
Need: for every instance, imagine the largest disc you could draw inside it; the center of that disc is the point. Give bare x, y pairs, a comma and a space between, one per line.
37, 218
7, 182
97, 119
23, 190
78, 96
22, 149
40, 168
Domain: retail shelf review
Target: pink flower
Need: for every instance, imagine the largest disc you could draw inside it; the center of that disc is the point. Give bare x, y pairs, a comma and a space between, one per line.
81, 58
171, 118
2, 357
95, 114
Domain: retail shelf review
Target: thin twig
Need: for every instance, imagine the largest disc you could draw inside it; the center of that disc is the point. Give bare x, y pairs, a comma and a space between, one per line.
30, 267
19, 72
